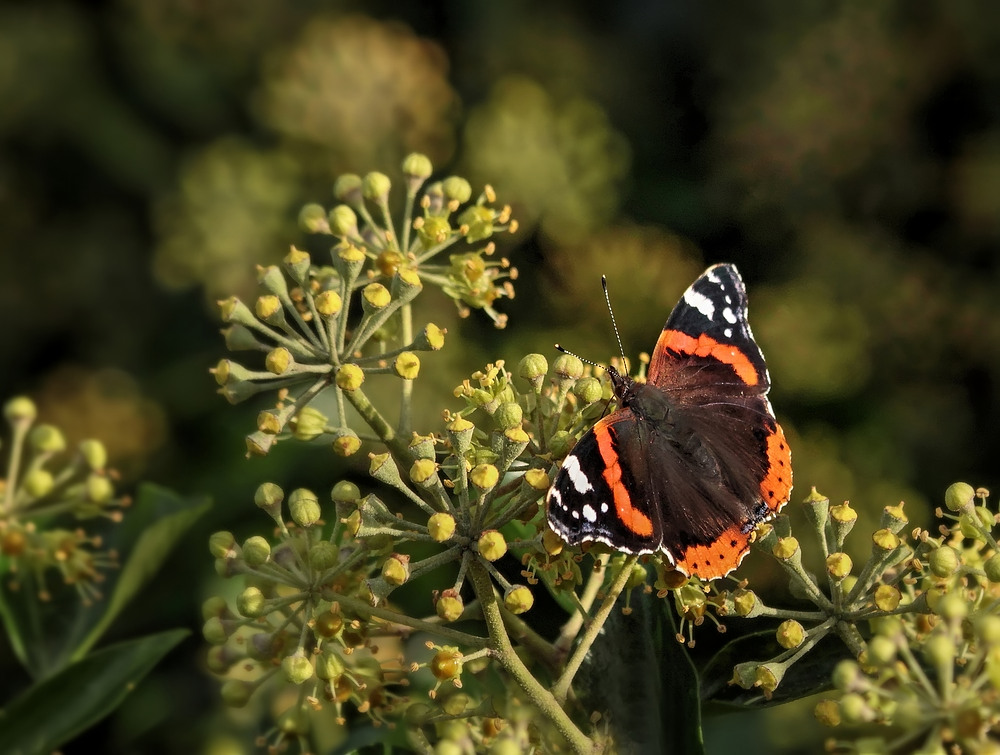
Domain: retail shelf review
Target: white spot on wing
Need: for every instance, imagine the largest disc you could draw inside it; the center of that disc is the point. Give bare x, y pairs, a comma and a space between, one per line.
728, 314
728, 332
577, 475
700, 302
604, 507
589, 514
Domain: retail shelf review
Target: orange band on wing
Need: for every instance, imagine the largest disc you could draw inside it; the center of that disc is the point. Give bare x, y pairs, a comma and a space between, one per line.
703, 346
634, 520
716, 559
777, 486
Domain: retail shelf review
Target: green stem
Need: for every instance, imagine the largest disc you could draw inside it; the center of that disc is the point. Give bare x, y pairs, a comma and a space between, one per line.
562, 686
379, 425
406, 397
511, 663
576, 620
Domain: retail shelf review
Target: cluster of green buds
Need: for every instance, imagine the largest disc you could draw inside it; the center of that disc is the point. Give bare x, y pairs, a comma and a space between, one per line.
45, 485
931, 668
332, 324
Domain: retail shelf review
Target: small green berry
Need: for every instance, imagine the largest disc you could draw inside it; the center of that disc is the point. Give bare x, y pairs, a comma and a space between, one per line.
304, 507
959, 495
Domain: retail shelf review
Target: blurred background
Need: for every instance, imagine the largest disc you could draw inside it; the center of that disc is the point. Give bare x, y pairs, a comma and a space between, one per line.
845, 155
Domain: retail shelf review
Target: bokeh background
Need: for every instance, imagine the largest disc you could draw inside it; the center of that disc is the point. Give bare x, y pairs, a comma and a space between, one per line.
846, 155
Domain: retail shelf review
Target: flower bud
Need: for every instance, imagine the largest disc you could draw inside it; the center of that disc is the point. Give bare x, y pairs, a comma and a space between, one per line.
943, 561
441, 526
417, 165
256, 551
484, 476
222, 544
329, 665
567, 367
446, 664
328, 303
518, 599
20, 410
347, 188
508, 415
855, 710
790, 634
992, 568
881, 651
323, 555
94, 453
269, 497
47, 439
537, 479
396, 569
38, 482
827, 712
456, 189
312, 219
449, 606
376, 186
236, 693
589, 390
298, 669
343, 222
959, 495
310, 423
304, 507
350, 377
533, 368
952, 606
407, 365
251, 603
345, 492
492, 545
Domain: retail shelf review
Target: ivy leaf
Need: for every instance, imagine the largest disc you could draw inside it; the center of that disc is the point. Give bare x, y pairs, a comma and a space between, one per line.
55, 710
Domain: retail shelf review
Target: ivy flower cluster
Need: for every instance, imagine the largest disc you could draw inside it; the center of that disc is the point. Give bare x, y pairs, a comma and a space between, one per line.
44, 487
331, 325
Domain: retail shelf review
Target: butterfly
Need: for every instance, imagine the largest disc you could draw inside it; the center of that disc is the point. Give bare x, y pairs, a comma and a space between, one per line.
692, 460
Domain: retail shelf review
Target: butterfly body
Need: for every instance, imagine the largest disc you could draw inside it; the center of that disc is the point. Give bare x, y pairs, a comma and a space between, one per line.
692, 459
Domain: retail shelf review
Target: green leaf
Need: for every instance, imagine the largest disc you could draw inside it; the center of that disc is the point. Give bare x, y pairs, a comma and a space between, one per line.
52, 712
643, 678
147, 555
46, 636
809, 675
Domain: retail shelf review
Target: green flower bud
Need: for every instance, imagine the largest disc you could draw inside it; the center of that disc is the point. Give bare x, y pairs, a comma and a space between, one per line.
456, 189
508, 415
855, 710
959, 495
939, 650
38, 482
350, 377
278, 361
297, 263
99, 489
943, 561
312, 219
484, 476
843, 518
236, 693
94, 453
214, 631
304, 507
560, 443
214, 606
567, 367
323, 555
518, 599
441, 526
256, 551
328, 303
952, 606
396, 569
376, 186
992, 568
251, 603
533, 368
310, 423
417, 165
20, 410
893, 517
492, 545
343, 222
268, 308
47, 439
790, 634
449, 606
846, 675
329, 665
298, 669
346, 442
881, 651
988, 629
222, 544
345, 492
347, 188
269, 497
589, 390
407, 365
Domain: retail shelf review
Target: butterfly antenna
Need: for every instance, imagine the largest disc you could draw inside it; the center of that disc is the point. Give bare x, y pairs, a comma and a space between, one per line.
582, 359
614, 325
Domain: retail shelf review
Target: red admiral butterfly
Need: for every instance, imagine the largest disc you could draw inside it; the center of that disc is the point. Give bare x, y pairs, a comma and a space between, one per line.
693, 459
